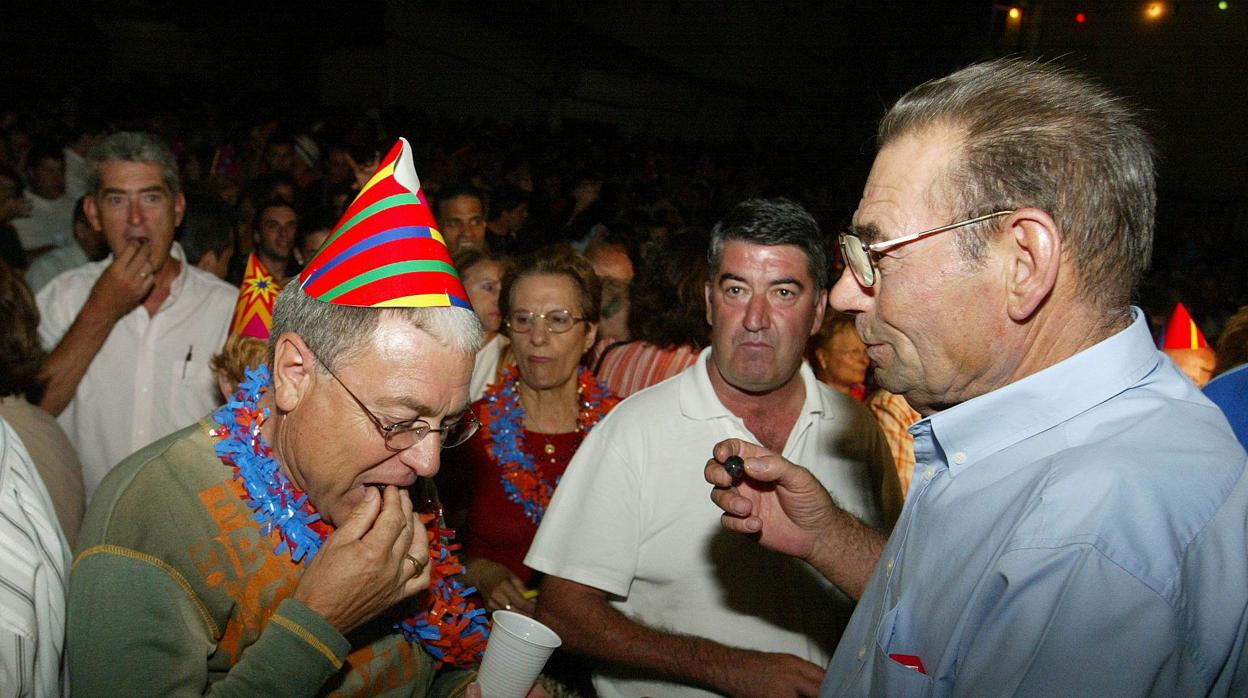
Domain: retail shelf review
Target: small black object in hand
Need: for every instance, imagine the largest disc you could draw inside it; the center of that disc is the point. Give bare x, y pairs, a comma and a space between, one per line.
735, 465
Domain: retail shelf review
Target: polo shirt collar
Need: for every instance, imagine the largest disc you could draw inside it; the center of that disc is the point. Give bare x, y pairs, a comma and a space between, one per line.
699, 401
978, 428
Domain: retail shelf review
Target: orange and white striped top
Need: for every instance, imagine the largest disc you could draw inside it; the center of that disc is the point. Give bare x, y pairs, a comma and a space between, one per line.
895, 416
627, 367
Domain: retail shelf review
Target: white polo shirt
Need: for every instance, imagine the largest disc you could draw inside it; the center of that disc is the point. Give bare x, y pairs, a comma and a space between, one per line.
140, 386
633, 517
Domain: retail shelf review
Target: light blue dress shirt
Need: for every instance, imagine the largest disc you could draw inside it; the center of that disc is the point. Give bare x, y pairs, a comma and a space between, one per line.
1078, 532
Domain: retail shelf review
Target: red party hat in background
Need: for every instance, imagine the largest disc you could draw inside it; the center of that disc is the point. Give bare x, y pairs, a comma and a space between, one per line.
1182, 332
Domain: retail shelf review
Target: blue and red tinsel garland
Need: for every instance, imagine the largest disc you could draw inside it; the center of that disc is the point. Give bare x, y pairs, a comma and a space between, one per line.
450, 628
502, 428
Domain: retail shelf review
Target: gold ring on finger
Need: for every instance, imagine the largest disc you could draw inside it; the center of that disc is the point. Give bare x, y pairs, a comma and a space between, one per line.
420, 566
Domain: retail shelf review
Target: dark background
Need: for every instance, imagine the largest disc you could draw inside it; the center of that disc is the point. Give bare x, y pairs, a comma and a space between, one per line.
802, 80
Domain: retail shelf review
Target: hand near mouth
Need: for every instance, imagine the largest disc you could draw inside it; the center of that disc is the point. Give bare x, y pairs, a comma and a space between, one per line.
375, 559
124, 285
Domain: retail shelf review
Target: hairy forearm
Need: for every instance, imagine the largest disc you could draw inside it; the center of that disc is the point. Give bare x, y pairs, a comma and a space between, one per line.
591, 627
64, 368
847, 552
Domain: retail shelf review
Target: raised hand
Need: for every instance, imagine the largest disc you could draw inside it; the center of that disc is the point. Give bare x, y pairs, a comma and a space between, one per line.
125, 283
791, 512
363, 568
776, 499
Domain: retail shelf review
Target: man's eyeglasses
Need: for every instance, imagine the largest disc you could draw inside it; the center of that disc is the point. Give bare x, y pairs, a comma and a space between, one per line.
557, 321
401, 436
860, 257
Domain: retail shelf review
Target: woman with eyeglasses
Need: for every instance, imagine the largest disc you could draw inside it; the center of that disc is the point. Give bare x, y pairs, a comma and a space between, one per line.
497, 486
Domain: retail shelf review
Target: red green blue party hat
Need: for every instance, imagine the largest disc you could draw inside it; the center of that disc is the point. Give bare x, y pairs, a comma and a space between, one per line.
386, 252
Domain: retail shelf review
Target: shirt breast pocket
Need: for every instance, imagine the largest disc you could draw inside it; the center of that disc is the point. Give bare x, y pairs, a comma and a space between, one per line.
194, 392
889, 676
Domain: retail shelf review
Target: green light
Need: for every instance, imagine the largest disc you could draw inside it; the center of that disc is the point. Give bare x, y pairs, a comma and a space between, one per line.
1223, 5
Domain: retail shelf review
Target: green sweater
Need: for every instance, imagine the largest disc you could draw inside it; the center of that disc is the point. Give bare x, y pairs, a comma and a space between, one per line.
175, 592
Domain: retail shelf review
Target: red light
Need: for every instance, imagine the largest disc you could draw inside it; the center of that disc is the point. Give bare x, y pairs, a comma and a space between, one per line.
1081, 18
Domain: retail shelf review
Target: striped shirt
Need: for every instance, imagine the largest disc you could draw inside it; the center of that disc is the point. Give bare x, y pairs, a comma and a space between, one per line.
34, 560
895, 416
629, 367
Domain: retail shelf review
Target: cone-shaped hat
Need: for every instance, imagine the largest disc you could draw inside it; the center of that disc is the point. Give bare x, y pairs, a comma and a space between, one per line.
253, 313
386, 252
1182, 332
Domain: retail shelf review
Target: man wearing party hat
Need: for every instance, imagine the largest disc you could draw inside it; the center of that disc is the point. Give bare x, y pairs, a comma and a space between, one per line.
274, 548
1185, 344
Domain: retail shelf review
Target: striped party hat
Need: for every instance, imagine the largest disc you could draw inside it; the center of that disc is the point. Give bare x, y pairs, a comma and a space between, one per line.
253, 313
1182, 332
386, 252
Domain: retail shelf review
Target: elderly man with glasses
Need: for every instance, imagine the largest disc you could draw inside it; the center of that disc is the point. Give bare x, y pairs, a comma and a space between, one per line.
1076, 520
277, 547
640, 577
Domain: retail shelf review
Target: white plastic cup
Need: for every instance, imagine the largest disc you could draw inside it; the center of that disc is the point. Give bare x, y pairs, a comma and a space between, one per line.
518, 649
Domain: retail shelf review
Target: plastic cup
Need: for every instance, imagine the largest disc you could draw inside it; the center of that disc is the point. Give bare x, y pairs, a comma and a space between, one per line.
518, 649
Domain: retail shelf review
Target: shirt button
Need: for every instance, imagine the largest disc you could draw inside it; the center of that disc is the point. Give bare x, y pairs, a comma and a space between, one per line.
929, 473
889, 566
959, 458
862, 652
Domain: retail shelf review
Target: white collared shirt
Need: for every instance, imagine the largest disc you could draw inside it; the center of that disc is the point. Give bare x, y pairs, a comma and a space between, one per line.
152, 376
34, 564
633, 517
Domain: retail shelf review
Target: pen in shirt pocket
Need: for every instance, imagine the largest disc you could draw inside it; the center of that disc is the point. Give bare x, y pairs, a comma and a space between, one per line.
187, 361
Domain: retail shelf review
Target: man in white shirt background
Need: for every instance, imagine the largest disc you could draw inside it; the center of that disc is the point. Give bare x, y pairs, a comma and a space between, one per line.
51, 218
130, 336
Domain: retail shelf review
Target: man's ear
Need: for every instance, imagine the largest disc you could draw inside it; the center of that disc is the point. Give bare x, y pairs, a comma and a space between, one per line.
294, 373
1033, 255
92, 213
708, 288
821, 309
179, 208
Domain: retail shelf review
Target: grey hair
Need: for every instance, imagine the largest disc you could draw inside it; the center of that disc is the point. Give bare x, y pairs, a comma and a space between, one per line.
133, 146
335, 333
772, 222
1040, 135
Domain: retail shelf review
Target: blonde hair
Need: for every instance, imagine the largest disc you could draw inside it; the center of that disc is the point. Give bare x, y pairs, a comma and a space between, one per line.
238, 355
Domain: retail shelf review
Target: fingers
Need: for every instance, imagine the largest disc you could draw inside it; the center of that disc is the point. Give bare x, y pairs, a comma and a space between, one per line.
715, 474
418, 547
515, 596
809, 677
362, 517
402, 502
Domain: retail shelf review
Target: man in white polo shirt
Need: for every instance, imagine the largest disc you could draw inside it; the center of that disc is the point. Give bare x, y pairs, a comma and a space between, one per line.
640, 576
130, 336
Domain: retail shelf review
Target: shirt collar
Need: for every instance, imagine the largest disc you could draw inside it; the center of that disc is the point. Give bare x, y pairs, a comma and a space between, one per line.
179, 281
699, 401
982, 426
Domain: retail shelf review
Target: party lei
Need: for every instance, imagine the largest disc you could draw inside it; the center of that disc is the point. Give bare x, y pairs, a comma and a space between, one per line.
502, 426
450, 628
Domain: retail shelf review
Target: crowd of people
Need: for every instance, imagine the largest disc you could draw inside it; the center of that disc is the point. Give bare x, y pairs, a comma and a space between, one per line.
283, 416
